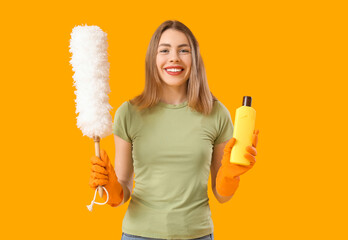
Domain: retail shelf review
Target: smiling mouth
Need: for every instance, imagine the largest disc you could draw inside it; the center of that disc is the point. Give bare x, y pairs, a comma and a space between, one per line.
174, 70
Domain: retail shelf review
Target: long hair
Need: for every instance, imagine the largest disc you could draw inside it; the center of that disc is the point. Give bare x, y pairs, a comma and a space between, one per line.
199, 96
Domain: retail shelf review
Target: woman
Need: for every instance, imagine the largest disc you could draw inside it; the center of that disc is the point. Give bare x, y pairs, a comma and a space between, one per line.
171, 137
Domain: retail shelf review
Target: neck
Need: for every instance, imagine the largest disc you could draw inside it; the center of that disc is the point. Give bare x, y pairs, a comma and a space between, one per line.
173, 95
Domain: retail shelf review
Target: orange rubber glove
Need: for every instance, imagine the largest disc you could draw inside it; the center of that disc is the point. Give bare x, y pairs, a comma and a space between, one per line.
103, 174
227, 179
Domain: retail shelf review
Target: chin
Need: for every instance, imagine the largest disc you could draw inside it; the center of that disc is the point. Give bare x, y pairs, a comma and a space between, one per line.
174, 83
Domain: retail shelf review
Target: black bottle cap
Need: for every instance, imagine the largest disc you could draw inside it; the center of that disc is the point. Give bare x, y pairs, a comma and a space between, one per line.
247, 101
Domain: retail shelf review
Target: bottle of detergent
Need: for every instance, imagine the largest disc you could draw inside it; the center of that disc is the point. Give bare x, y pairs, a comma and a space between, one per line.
244, 126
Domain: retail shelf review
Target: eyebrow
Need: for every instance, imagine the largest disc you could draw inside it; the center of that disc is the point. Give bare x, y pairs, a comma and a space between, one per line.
168, 45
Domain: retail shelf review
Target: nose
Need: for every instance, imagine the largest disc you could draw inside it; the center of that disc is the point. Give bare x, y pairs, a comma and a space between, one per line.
174, 56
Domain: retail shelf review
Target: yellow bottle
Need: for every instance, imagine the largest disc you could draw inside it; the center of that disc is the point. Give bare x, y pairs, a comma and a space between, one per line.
244, 126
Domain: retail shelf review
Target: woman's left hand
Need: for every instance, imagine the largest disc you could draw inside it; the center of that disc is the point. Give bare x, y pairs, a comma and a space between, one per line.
227, 179
234, 170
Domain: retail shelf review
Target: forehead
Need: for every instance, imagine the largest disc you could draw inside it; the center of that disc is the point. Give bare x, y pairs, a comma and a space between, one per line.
173, 37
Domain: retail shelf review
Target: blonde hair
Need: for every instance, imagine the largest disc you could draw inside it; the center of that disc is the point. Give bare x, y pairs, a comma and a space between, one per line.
199, 96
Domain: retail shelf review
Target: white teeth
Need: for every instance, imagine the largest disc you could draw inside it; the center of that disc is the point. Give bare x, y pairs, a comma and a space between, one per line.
174, 70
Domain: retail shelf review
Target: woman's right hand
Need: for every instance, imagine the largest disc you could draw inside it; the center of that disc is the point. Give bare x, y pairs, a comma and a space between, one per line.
103, 174
99, 173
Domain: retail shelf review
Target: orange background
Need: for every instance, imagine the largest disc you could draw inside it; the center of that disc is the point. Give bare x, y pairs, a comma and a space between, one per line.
290, 56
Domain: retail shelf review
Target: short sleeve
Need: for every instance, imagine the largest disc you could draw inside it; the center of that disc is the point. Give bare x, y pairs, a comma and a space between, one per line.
224, 124
121, 124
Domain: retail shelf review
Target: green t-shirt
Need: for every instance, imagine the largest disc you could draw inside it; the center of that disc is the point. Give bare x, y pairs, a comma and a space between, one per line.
172, 148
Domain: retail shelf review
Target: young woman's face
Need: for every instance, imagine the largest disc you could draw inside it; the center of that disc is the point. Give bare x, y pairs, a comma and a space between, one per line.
174, 58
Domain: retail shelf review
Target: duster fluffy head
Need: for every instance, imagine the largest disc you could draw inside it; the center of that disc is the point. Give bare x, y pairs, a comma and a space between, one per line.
88, 45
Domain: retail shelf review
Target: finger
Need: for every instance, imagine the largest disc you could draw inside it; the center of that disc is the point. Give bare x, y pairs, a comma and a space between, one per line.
255, 138
99, 169
251, 150
104, 156
251, 158
96, 175
102, 182
229, 145
98, 161
93, 183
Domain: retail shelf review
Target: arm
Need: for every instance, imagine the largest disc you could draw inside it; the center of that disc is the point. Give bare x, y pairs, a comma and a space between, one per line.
124, 166
218, 153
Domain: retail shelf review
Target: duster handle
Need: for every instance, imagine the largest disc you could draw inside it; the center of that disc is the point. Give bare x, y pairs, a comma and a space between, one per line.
97, 153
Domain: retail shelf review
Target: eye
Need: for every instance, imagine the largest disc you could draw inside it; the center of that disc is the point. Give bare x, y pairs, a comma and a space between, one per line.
184, 50
164, 50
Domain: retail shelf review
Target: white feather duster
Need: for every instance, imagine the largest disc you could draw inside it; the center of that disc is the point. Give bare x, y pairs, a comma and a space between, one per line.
88, 45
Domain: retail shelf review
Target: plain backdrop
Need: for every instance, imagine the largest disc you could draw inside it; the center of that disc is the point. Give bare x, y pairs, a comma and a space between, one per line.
290, 56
